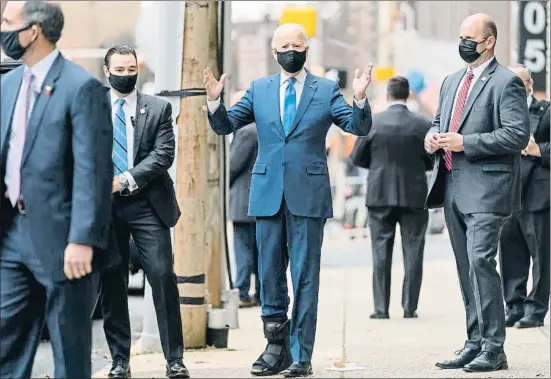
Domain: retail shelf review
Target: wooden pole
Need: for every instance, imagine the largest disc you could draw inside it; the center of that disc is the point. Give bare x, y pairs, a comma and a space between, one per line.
190, 246
213, 209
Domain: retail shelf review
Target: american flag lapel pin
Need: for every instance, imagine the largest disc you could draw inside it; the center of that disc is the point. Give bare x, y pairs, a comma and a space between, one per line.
48, 90
142, 110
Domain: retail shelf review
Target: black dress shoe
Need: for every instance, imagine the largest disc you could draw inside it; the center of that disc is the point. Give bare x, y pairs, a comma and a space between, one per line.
379, 316
525, 323
410, 314
511, 318
120, 369
176, 369
298, 370
464, 357
487, 361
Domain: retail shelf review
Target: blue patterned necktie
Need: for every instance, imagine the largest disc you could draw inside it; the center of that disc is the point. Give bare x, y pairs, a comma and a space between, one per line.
120, 145
290, 105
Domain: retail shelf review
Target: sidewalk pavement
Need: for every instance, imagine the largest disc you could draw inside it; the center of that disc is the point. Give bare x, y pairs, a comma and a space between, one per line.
385, 348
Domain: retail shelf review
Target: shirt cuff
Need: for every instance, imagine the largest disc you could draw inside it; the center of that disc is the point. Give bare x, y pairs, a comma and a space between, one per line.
360, 103
213, 105
132, 186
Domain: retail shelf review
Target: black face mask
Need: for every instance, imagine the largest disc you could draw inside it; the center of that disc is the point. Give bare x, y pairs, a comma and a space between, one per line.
292, 61
123, 84
467, 50
10, 43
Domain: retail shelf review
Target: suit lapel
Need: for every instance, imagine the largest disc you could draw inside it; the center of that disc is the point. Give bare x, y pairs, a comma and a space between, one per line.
310, 87
478, 87
10, 93
274, 102
141, 117
40, 105
447, 112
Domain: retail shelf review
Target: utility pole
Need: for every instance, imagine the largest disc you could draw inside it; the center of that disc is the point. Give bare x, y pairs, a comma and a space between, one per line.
213, 209
190, 237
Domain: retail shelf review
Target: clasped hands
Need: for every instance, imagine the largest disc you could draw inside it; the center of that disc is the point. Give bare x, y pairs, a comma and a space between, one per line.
450, 141
532, 149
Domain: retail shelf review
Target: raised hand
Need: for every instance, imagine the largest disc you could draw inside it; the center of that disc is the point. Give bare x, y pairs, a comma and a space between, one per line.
361, 82
214, 87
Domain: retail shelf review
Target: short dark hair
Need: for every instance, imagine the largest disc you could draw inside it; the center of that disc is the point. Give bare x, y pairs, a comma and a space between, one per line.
398, 88
119, 49
49, 16
490, 29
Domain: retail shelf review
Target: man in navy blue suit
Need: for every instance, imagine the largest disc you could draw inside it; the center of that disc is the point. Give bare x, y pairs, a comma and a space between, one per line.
290, 192
55, 195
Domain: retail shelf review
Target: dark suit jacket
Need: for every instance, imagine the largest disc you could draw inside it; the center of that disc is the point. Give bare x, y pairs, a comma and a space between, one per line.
535, 170
154, 146
394, 153
494, 125
243, 151
67, 171
293, 165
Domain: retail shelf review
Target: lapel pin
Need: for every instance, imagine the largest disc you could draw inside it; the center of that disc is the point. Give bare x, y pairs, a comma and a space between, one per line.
48, 90
483, 78
311, 86
142, 111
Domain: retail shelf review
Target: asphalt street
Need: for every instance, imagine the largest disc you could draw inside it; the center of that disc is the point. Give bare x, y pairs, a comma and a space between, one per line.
338, 251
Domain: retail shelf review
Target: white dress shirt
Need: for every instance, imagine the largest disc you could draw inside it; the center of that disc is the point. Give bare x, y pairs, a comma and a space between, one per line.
129, 108
529, 100
477, 72
283, 83
39, 71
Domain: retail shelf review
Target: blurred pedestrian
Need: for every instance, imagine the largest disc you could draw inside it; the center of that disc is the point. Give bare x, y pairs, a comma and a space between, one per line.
478, 132
526, 234
144, 208
396, 191
290, 190
55, 195
243, 149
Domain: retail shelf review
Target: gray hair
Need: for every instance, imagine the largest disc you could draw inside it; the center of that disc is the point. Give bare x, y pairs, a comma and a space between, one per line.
49, 16
287, 28
520, 65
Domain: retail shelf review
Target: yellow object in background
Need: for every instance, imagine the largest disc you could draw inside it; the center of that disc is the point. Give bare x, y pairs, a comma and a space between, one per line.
383, 73
305, 16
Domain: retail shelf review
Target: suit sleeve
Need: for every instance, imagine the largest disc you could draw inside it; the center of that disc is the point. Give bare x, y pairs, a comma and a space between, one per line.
92, 144
514, 133
353, 119
225, 122
544, 145
242, 152
361, 153
428, 159
435, 126
161, 157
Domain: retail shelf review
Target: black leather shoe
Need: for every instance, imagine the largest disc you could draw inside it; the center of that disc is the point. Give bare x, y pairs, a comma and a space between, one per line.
464, 357
120, 369
410, 314
176, 369
379, 316
487, 361
511, 318
298, 370
277, 354
525, 323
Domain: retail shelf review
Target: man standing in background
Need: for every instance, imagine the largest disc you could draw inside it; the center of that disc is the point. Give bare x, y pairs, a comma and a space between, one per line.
526, 234
243, 151
55, 195
396, 191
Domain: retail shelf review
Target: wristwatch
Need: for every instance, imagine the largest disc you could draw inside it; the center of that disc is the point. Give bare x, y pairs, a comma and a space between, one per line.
123, 180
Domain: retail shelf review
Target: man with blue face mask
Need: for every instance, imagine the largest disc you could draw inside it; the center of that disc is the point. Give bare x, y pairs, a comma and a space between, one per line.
290, 192
480, 127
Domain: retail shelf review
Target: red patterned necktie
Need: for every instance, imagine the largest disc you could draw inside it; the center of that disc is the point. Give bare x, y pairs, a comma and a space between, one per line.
457, 112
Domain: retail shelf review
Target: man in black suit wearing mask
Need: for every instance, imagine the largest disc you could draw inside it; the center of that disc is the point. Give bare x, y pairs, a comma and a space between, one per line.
144, 207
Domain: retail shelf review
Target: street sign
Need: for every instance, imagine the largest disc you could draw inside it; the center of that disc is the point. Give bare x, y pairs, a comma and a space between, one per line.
305, 16
533, 40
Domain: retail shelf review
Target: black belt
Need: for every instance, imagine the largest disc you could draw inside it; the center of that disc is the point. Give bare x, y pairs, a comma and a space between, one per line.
20, 206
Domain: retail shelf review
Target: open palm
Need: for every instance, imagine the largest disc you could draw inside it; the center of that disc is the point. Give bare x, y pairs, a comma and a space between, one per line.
212, 86
361, 81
